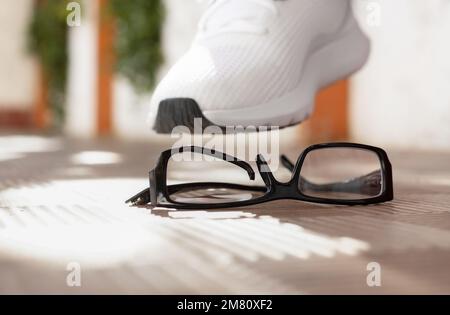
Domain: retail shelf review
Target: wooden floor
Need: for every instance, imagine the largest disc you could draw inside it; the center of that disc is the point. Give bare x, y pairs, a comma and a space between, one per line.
59, 209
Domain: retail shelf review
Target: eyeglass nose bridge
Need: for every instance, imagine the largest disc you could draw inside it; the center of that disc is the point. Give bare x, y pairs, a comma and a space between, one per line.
284, 190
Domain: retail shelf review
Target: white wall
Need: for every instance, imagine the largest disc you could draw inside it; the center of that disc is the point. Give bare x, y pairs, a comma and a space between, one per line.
17, 68
402, 97
81, 102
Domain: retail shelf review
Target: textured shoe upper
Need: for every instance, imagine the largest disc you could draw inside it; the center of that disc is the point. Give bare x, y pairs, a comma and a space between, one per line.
248, 52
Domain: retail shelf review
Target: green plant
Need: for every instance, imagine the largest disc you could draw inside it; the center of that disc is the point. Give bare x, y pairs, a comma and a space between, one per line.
137, 44
138, 40
48, 40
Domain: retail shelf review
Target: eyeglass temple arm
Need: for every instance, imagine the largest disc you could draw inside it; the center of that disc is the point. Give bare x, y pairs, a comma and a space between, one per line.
368, 181
141, 198
287, 163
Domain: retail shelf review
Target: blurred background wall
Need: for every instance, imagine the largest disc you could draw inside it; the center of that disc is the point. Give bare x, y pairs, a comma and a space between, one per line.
82, 84
17, 68
400, 98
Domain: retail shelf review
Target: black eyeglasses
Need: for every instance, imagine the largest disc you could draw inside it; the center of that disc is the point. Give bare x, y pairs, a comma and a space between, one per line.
332, 173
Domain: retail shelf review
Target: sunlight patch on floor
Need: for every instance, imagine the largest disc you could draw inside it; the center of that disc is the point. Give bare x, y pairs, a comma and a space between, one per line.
96, 158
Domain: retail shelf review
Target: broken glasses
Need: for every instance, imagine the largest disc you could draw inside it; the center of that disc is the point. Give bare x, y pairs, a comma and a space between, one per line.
333, 173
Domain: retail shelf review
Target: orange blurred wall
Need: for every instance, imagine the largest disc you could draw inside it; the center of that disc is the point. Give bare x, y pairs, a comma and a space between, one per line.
329, 121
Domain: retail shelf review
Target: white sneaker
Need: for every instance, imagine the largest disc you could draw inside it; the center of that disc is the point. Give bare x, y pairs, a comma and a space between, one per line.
260, 63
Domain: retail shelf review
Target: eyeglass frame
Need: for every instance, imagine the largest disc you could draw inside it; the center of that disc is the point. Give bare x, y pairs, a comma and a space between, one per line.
158, 189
